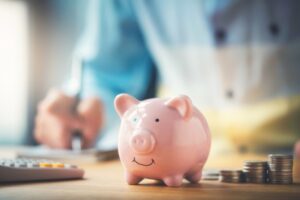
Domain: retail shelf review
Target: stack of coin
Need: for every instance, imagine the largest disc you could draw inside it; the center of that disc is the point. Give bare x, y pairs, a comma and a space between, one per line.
210, 175
232, 176
281, 168
256, 171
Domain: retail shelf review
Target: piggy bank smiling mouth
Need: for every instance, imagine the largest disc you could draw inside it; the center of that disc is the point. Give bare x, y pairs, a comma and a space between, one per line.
145, 165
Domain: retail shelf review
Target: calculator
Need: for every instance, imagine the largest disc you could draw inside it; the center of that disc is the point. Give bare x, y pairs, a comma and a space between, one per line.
21, 170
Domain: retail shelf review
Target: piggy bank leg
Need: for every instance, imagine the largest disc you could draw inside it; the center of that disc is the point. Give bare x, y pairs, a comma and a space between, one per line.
194, 178
195, 174
132, 179
173, 181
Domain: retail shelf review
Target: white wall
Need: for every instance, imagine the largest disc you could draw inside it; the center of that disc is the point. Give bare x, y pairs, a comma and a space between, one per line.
13, 70
37, 39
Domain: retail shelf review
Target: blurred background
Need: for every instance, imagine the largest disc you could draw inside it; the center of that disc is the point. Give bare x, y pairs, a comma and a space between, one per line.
37, 39
252, 71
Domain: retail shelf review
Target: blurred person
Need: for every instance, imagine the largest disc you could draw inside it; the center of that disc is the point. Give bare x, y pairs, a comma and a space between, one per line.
237, 60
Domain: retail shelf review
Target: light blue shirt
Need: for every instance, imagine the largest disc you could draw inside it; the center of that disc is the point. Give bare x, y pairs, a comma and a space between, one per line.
187, 40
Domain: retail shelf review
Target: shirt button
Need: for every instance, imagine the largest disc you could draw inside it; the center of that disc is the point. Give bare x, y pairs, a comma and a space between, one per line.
229, 94
274, 29
220, 35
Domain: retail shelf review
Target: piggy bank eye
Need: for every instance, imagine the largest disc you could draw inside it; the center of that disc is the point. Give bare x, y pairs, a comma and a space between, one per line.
135, 119
156, 120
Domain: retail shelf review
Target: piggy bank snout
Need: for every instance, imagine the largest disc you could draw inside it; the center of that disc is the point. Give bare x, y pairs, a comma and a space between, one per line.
142, 142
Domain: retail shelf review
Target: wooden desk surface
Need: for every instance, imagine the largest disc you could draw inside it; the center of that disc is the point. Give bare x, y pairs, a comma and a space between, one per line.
105, 181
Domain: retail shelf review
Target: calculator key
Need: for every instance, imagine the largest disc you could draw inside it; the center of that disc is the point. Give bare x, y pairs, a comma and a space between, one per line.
58, 165
70, 166
32, 165
20, 164
42, 164
8, 164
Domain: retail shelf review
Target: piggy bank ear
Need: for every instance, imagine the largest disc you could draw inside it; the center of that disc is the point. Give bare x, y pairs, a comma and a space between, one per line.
183, 105
123, 102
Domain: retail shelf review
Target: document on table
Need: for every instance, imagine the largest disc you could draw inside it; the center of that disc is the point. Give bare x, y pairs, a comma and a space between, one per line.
88, 155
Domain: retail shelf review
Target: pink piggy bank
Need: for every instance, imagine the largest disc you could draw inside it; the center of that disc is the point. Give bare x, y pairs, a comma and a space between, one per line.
164, 139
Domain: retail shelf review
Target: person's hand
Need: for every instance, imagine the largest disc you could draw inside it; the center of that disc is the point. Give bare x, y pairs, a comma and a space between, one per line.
297, 149
56, 120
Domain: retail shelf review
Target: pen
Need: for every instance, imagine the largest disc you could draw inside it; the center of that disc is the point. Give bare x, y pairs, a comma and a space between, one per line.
77, 75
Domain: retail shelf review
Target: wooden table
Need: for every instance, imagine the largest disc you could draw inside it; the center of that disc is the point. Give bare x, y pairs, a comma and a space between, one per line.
105, 181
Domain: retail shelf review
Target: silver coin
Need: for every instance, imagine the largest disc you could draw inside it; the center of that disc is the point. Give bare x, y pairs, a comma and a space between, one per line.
256, 181
210, 178
281, 170
255, 171
210, 175
231, 171
281, 162
280, 166
280, 155
256, 178
256, 168
255, 163
281, 181
256, 175
232, 180
281, 177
